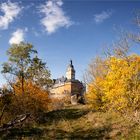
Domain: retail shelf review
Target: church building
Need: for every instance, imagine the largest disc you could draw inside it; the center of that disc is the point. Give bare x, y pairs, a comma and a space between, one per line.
68, 86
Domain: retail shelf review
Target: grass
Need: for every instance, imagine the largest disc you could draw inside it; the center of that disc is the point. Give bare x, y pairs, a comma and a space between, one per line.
77, 123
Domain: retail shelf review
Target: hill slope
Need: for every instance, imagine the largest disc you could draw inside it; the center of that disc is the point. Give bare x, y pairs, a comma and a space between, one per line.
76, 122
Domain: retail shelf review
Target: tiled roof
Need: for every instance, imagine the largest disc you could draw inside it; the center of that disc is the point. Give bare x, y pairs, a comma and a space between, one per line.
60, 80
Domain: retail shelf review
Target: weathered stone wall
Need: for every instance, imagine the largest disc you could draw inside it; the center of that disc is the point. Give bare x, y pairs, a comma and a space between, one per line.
73, 89
65, 88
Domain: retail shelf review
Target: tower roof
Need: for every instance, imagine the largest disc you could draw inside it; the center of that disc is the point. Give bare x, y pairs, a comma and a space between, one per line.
70, 65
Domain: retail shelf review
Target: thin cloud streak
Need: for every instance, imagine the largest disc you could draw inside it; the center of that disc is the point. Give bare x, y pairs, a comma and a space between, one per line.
101, 17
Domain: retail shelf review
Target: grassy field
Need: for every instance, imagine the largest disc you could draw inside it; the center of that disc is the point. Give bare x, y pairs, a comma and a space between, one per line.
76, 123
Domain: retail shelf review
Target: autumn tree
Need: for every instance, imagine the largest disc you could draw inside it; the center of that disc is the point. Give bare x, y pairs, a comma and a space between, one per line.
115, 80
29, 79
35, 99
94, 76
23, 64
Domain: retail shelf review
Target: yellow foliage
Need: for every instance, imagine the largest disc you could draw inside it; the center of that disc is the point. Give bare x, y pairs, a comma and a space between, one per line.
119, 88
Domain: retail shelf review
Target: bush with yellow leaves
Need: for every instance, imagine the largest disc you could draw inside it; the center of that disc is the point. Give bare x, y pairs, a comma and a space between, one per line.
119, 87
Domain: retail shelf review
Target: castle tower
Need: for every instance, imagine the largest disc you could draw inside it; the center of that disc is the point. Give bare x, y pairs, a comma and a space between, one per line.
70, 73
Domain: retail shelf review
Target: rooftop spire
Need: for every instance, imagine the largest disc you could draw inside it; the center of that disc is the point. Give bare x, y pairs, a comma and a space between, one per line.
70, 62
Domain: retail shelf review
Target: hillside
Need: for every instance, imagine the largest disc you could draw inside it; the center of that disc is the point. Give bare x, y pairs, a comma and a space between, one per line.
77, 122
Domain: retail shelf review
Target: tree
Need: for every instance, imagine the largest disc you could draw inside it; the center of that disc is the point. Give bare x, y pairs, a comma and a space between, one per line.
19, 59
39, 73
96, 72
24, 65
28, 75
115, 80
35, 100
118, 87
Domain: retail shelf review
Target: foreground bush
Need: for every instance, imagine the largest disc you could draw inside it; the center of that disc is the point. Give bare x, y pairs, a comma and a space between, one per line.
34, 101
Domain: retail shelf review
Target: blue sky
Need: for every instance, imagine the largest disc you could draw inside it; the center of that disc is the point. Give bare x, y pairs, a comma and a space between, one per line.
64, 30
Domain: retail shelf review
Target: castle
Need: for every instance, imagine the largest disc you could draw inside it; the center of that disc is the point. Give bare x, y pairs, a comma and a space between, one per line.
68, 86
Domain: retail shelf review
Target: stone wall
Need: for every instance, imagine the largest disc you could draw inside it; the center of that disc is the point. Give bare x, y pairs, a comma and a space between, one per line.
65, 88
73, 89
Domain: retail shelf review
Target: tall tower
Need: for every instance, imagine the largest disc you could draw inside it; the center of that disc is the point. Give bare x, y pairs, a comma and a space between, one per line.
70, 73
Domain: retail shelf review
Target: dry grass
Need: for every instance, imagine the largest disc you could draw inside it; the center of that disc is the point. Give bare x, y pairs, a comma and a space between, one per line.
78, 122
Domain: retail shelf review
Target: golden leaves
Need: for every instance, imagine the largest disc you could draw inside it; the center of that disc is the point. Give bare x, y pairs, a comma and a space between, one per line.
120, 86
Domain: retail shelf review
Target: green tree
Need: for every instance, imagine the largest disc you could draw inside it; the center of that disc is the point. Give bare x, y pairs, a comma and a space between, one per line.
24, 64
39, 73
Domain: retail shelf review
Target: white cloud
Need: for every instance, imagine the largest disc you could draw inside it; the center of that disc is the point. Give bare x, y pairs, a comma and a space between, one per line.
10, 12
54, 16
99, 18
18, 36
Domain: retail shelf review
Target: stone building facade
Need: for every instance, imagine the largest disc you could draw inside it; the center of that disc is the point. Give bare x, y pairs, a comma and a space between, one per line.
68, 86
